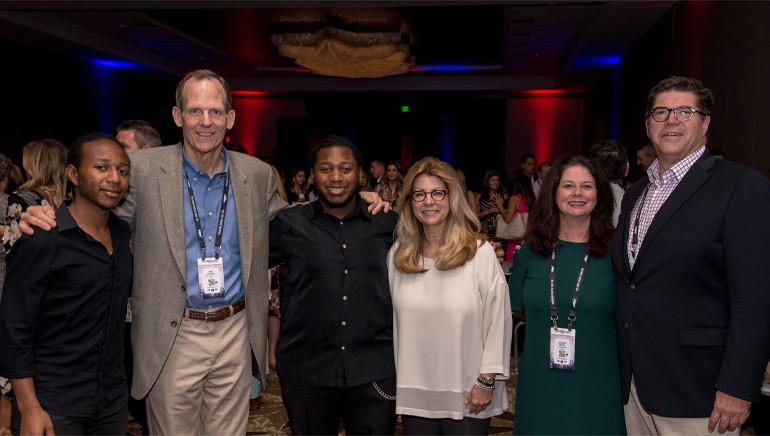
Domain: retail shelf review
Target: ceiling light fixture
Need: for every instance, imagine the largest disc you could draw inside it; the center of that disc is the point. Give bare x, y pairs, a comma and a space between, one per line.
350, 43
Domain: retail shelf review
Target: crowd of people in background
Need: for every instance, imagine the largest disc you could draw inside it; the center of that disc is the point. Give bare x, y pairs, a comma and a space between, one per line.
369, 314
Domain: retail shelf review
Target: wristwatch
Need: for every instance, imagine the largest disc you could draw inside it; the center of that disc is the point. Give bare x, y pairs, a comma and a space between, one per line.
489, 381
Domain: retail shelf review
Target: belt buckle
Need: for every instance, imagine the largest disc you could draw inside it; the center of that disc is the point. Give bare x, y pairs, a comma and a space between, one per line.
212, 315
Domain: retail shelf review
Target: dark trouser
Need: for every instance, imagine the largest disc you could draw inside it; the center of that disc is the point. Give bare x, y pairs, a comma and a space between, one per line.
362, 410
114, 424
15, 417
468, 426
137, 408
760, 416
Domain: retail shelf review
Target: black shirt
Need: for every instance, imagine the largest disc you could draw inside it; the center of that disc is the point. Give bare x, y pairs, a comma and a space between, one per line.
62, 316
336, 313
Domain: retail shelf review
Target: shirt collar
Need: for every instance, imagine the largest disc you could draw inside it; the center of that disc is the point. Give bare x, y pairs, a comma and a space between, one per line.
64, 218
190, 168
678, 170
363, 209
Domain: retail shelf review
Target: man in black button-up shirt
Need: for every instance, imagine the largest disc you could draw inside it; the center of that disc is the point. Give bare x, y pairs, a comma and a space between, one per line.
335, 351
64, 304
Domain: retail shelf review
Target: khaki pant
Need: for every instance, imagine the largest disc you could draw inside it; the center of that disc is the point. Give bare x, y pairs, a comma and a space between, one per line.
204, 385
641, 422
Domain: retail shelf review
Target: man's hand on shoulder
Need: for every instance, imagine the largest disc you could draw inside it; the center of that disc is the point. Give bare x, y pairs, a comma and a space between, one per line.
40, 216
376, 203
498, 251
729, 412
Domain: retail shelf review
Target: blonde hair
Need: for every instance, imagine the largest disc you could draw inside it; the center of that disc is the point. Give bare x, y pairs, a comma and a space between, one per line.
45, 161
461, 232
280, 190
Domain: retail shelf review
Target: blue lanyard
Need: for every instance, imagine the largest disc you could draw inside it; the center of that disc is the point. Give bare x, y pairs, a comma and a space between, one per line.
575, 293
220, 223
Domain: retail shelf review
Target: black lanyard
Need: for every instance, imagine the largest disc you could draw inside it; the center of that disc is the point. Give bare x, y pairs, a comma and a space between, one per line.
220, 223
575, 293
635, 234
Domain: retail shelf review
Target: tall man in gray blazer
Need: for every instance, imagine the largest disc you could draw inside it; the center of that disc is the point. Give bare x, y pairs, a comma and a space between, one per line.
690, 257
199, 216
199, 219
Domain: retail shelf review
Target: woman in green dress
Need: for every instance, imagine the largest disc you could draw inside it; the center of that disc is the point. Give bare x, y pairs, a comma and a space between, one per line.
569, 381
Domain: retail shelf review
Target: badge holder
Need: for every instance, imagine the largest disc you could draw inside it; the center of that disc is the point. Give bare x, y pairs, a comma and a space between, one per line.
211, 277
562, 353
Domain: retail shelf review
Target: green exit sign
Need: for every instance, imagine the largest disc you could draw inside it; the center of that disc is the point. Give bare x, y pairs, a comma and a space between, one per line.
404, 108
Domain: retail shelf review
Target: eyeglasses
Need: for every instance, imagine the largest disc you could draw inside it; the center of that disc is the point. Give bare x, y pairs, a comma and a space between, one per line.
437, 194
682, 114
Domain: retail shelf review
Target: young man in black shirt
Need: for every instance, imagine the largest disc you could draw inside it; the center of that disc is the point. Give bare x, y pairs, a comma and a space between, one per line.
64, 303
335, 351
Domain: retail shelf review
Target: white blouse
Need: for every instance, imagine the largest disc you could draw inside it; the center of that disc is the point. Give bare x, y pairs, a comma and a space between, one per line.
449, 327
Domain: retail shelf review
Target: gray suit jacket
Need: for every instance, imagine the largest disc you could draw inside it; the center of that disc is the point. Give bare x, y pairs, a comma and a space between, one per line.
154, 209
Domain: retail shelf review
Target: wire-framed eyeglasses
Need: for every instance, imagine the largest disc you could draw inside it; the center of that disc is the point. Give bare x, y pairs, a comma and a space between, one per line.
436, 194
681, 113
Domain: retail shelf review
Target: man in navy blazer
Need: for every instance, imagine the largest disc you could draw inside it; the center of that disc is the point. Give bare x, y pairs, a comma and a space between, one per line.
690, 258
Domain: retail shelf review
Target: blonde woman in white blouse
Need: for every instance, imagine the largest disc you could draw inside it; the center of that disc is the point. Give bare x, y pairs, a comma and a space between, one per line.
451, 310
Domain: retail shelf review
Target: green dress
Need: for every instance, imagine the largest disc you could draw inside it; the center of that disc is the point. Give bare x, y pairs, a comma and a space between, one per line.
554, 401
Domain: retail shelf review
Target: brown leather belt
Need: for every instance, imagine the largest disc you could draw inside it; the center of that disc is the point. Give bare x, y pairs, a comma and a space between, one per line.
216, 314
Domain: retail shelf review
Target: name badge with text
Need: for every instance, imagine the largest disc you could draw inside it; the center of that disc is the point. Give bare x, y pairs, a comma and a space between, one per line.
211, 277
562, 349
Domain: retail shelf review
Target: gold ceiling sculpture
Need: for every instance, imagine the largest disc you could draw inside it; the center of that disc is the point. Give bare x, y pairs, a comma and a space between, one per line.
352, 43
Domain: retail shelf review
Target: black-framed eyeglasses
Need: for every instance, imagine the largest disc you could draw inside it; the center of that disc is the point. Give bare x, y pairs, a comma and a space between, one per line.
682, 114
436, 194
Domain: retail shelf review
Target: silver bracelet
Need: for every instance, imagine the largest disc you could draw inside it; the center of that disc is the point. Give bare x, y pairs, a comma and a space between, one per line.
484, 387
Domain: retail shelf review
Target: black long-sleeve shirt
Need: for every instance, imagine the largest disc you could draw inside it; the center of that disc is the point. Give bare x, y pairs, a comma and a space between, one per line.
336, 312
62, 317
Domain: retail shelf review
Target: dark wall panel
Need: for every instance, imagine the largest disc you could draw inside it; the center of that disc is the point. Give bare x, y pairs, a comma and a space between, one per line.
55, 96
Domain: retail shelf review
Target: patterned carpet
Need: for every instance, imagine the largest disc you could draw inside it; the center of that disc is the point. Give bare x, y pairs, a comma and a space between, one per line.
271, 417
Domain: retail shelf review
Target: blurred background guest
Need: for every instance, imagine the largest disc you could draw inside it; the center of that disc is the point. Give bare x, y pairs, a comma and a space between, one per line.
645, 156
491, 202
611, 155
363, 180
451, 312
468, 192
390, 186
521, 200
562, 277
377, 171
136, 135
44, 161
297, 191
542, 173
5, 403
274, 309
277, 277
5, 177
528, 169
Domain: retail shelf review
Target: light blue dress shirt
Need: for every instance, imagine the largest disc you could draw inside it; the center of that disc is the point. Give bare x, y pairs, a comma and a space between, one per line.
208, 196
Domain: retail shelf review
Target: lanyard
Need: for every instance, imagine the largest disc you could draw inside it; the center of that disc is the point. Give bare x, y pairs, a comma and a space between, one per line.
220, 223
575, 293
635, 234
